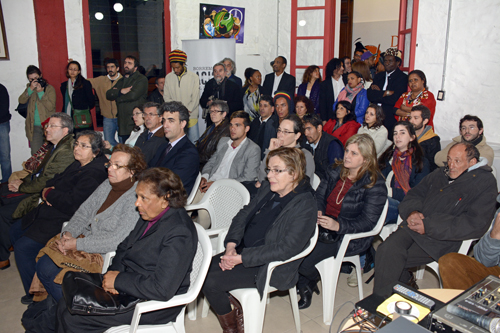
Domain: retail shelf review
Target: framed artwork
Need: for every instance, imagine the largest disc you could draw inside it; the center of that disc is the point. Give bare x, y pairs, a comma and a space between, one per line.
218, 21
4, 51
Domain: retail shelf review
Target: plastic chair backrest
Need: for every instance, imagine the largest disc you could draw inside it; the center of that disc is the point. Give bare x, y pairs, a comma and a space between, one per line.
194, 190
316, 182
226, 197
201, 261
388, 183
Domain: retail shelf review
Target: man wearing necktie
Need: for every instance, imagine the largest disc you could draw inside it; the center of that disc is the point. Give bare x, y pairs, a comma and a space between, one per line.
388, 86
149, 141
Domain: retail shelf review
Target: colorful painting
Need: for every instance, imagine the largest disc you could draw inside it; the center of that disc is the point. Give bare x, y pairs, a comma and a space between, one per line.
221, 22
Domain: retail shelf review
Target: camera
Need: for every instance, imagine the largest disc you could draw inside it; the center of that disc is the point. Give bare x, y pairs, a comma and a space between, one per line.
42, 82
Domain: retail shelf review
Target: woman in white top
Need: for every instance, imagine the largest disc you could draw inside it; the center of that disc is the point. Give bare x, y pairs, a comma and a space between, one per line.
372, 126
138, 118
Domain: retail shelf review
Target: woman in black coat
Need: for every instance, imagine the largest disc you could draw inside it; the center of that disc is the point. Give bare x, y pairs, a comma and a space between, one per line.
350, 200
77, 91
276, 225
62, 196
154, 262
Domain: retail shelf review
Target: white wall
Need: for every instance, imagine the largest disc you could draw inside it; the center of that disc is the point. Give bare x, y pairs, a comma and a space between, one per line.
20, 29
473, 68
75, 33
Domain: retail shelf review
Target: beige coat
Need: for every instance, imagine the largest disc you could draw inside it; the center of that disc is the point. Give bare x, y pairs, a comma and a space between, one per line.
186, 91
484, 151
101, 84
46, 107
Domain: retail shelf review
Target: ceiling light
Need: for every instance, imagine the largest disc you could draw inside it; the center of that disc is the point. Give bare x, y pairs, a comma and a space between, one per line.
99, 16
118, 7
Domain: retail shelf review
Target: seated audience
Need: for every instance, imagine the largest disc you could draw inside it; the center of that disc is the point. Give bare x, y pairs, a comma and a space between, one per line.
208, 141
326, 148
303, 106
156, 96
471, 131
362, 68
418, 95
236, 158
350, 200
276, 225
149, 141
407, 162
111, 205
461, 272
427, 139
22, 195
230, 67
330, 88
138, 117
179, 154
283, 105
263, 128
251, 92
355, 93
449, 205
373, 126
310, 86
61, 197
144, 266
279, 80
344, 125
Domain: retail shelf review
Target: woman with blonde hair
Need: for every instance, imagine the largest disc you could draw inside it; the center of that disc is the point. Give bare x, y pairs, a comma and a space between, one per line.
350, 200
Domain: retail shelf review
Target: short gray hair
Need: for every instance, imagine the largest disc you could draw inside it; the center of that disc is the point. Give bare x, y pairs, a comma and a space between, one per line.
219, 64
152, 105
233, 64
66, 120
222, 105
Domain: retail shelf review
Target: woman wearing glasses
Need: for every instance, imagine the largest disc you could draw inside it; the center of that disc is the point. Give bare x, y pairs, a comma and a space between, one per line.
276, 225
104, 219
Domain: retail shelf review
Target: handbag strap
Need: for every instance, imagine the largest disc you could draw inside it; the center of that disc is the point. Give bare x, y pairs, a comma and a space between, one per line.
69, 98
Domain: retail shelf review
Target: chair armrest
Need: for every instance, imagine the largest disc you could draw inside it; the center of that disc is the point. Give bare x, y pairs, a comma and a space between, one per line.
195, 206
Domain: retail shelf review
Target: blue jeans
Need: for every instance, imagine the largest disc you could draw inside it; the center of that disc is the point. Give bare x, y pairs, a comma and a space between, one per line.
5, 165
47, 271
392, 211
110, 127
193, 133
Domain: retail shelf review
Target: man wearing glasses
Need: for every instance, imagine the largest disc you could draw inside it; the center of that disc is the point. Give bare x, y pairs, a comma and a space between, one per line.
21, 196
471, 130
152, 138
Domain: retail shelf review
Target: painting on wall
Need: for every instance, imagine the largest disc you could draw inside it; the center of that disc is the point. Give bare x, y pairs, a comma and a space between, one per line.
4, 51
218, 21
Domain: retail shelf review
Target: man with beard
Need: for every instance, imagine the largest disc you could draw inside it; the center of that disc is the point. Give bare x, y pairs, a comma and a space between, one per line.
129, 92
102, 84
471, 130
430, 142
279, 80
220, 87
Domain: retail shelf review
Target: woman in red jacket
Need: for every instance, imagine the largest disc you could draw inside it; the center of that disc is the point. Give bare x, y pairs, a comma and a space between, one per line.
344, 125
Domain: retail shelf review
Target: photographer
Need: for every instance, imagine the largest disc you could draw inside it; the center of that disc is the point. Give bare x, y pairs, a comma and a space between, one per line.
41, 99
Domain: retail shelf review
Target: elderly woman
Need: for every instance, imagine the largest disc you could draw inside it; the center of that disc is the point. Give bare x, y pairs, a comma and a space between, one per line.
275, 225
61, 198
350, 200
153, 262
104, 219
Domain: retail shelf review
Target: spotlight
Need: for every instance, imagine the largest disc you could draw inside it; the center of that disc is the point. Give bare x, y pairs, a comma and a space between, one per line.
118, 7
99, 16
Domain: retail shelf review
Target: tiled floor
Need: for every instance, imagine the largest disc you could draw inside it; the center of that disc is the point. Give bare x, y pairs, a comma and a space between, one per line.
278, 314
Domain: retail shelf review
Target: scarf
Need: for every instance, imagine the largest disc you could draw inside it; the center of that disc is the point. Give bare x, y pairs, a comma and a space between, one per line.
348, 93
402, 168
476, 141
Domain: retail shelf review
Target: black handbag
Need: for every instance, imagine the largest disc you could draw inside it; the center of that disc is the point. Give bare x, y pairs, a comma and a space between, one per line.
327, 236
23, 109
84, 295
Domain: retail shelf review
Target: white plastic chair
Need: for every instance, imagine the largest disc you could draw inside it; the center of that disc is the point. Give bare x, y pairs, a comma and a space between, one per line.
254, 308
223, 200
494, 171
201, 264
390, 228
193, 191
108, 259
329, 268
316, 181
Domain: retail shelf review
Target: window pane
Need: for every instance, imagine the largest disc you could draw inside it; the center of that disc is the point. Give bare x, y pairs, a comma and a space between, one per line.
409, 13
309, 52
311, 22
299, 72
310, 3
406, 55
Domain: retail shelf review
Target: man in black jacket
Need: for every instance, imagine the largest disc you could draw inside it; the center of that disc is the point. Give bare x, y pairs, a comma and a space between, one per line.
279, 80
157, 94
388, 87
264, 128
428, 140
5, 116
330, 88
152, 138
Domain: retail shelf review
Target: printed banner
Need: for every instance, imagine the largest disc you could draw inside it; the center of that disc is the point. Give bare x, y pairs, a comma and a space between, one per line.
218, 21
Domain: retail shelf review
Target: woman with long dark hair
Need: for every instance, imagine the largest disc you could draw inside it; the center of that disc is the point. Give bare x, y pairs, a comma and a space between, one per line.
310, 86
406, 160
374, 127
344, 125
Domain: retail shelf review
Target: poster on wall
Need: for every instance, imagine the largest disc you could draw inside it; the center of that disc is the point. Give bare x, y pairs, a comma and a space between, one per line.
4, 51
218, 21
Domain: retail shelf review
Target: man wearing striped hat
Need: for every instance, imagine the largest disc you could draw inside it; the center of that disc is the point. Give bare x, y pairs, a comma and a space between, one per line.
183, 86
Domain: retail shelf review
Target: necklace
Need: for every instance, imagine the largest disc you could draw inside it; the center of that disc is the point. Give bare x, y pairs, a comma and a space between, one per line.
338, 194
410, 100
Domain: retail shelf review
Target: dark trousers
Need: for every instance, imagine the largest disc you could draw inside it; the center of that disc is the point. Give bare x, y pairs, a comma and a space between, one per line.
308, 274
47, 271
218, 283
7, 208
25, 251
461, 272
394, 256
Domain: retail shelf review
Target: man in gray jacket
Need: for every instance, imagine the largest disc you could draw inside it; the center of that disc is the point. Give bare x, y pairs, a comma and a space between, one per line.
236, 158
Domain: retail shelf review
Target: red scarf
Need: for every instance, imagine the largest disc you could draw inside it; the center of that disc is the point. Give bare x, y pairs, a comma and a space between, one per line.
401, 166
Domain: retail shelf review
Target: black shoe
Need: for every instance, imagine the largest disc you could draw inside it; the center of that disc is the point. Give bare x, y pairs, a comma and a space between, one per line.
412, 282
27, 299
305, 298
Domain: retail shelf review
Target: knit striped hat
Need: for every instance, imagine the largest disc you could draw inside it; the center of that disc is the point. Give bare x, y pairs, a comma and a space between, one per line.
286, 96
177, 56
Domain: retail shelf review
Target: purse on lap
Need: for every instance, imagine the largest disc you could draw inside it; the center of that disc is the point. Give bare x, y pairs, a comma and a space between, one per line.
84, 295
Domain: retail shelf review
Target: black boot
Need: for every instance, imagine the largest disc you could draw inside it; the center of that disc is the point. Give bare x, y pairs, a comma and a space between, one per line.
305, 297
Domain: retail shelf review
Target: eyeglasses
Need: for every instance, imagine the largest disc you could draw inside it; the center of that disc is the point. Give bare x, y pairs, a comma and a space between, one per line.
78, 144
275, 171
215, 111
114, 166
279, 130
470, 128
52, 126
136, 113
150, 115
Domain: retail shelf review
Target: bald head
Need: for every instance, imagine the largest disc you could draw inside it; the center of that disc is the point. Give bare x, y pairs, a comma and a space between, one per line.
461, 157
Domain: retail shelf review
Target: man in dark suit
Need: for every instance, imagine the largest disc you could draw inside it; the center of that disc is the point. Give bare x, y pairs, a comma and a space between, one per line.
388, 87
149, 141
325, 147
279, 80
179, 154
327, 91
263, 128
